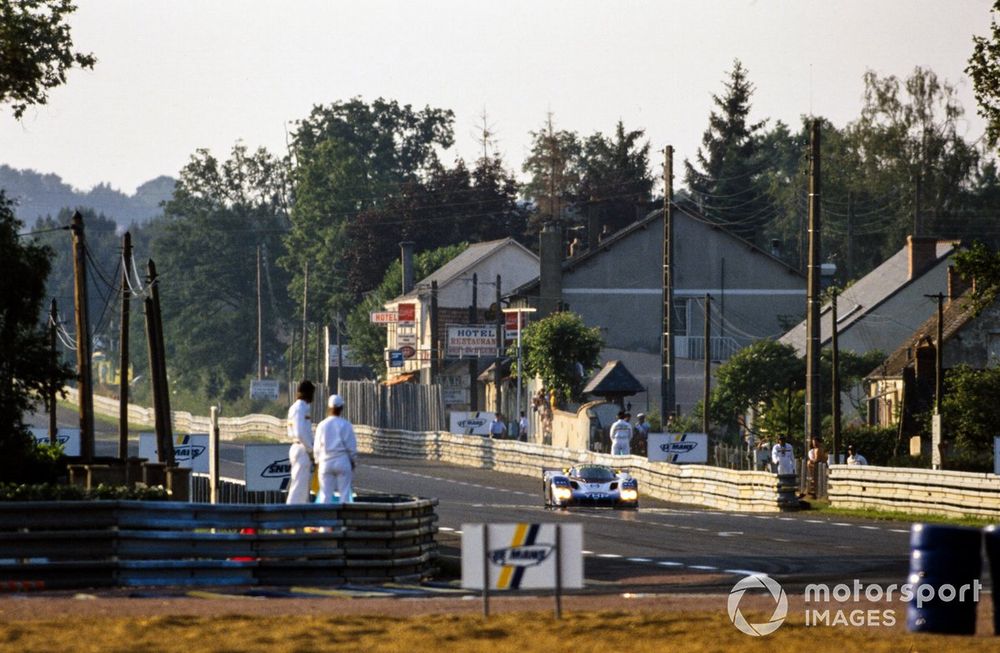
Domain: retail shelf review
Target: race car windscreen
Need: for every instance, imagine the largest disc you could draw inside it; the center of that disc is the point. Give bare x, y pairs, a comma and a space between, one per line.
595, 473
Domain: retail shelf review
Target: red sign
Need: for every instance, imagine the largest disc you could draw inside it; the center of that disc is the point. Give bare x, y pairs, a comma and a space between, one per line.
407, 312
510, 323
408, 351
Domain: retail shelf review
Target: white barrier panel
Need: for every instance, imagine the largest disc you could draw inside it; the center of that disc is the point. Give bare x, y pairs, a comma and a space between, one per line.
68, 438
266, 467
678, 447
522, 556
190, 451
470, 423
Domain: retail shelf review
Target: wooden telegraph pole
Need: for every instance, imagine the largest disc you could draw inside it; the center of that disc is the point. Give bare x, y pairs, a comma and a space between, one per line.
158, 368
497, 376
668, 395
305, 326
707, 389
812, 425
51, 395
435, 339
84, 379
123, 352
260, 324
473, 360
835, 381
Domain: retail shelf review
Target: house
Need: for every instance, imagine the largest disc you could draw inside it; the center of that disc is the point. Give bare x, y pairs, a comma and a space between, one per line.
466, 294
884, 307
903, 385
617, 285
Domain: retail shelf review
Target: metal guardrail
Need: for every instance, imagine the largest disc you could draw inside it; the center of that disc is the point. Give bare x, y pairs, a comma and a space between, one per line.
134, 543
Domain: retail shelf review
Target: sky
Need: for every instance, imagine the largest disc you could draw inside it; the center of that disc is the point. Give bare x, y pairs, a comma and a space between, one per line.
174, 76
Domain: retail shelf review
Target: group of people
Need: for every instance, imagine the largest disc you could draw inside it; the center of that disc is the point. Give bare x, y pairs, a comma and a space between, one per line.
781, 457
498, 427
624, 434
333, 449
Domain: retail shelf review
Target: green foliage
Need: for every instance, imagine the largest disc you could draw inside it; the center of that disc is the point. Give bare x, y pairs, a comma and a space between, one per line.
28, 369
984, 69
728, 186
368, 340
754, 375
970, 411
877, 444
351, 157
206, 252
54, 492
615, 176
36, 51
553, 173
553, 347
981, 263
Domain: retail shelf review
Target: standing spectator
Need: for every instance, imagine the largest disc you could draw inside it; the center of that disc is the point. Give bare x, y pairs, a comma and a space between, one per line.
522, 428
299, 432
621, 435
783, 457
641, 429
497, 427
763, 452
854, 458
816, 455
336, 450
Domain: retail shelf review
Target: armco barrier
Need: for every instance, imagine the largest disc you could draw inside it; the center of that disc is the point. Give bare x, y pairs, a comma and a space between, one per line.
132, 543
714, 487
915, 491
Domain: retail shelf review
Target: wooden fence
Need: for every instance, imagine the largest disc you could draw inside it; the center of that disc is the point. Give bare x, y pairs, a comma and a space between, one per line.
131, 543
406, 406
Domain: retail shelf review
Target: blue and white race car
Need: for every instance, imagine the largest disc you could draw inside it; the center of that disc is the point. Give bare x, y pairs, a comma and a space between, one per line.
589, 485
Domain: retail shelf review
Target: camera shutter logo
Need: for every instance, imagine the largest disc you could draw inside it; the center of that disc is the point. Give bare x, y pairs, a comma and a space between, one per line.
780, 609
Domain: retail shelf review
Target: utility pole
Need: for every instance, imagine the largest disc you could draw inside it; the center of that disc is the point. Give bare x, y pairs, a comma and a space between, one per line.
707, 389
435, 340
835, 381
260, 324
668, 396
84, 378
936, 425
812, 425
305, 326
123, 351
321, 367
850, 235
497, 376
340, 350
161, 387
474, 319
51, 394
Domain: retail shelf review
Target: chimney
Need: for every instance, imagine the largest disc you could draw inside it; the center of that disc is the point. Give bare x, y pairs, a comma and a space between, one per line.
406, 259
550, 248
956, 284
923, 252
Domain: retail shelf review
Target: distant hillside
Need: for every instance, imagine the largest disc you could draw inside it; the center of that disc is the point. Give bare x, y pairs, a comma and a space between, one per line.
39, 194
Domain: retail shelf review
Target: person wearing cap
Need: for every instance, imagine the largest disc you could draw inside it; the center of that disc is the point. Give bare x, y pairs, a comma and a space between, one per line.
336, 451
621, 435
641, 429
299, 431
854, 458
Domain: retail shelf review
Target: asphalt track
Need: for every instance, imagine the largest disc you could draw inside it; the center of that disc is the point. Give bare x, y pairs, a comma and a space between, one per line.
661, 544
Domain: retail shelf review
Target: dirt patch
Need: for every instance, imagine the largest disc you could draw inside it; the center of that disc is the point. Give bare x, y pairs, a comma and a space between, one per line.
644, 622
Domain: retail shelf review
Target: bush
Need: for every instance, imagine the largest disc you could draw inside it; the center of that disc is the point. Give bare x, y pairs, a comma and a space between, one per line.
875, 443
58, 492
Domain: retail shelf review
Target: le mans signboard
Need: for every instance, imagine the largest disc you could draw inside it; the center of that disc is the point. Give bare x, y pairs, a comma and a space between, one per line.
522, 556
190, 451
678, 447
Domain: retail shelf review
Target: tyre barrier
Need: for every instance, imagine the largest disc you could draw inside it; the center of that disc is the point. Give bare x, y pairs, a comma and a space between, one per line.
946, 559
993, 556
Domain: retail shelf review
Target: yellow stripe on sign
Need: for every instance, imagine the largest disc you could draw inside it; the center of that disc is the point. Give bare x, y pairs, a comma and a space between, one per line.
508, 571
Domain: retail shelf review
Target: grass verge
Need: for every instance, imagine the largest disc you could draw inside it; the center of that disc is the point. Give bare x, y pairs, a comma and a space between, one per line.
824, 508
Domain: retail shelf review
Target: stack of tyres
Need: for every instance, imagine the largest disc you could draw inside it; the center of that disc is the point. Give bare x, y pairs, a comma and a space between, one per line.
993, 554
947, 559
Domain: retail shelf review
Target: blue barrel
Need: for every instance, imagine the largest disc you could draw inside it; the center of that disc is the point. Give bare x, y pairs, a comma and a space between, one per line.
993, 555
944, 559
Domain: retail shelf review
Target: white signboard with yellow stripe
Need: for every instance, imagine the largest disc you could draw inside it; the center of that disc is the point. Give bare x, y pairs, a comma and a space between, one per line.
678, 447
522, 556
189, 450
68, 438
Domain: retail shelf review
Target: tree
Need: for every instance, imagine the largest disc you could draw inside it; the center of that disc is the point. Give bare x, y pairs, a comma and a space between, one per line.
368, 340
351, 157
36, 51
971, 412
615, 178
553, 170
727, 187
28, 370
981, 263
562, 351
755, 375
984, 69
205, 250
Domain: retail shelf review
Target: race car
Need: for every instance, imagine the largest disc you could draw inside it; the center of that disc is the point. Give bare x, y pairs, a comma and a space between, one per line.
589, 485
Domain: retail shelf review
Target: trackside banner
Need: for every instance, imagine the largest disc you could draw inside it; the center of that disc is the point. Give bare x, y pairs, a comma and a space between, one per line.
267, 467
678, 447
68, 438
522, 556
470, 423
190, 451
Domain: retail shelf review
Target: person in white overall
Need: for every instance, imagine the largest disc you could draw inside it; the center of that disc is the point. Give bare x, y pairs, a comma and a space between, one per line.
300, 451
621, 435
336, 451
783, 457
